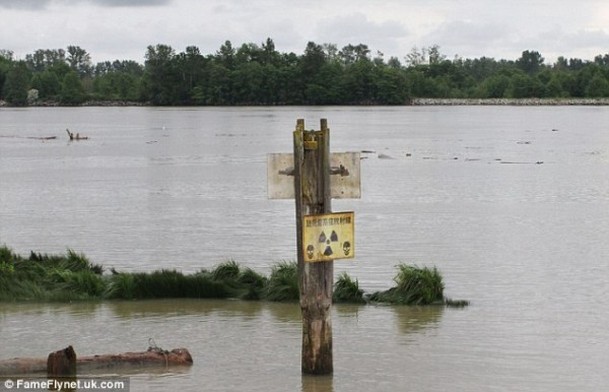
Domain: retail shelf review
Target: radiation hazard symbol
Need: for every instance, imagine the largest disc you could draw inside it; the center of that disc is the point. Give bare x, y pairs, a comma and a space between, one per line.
328, 237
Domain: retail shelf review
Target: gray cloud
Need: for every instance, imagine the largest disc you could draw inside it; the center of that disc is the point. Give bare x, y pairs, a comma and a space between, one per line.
130, 3
557, 41
24, 5
467, 32
469, 38
357, 26
385, 36
581, 39
42, 4
123, 29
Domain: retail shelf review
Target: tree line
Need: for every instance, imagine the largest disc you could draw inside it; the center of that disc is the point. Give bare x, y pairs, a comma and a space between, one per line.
258, 74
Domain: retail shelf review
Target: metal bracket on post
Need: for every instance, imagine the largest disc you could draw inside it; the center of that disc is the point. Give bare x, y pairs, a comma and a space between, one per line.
340, 170
310, 140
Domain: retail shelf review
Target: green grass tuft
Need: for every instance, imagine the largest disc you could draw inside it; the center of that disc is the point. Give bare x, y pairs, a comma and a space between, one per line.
415, 286
283, 283
42, 277
164, 284
121, 286
48, 278
253, 283
228, 270
346, 290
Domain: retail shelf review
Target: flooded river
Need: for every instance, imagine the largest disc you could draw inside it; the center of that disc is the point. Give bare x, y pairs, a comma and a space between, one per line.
511, 204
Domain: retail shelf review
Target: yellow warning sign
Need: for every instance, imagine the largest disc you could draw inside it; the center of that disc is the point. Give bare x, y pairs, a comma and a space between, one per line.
328, 237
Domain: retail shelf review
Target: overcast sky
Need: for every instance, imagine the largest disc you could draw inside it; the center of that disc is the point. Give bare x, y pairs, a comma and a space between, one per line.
123, 29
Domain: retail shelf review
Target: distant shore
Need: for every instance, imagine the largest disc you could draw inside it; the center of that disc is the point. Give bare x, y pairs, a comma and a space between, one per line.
52, 104
510, 102
412, 102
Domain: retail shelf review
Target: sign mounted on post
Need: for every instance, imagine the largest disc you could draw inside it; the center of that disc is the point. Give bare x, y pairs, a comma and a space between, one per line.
312, 176
344, 175
328, 237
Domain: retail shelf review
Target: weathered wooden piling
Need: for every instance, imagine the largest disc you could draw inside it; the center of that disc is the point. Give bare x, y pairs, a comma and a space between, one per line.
312, 194
62, 363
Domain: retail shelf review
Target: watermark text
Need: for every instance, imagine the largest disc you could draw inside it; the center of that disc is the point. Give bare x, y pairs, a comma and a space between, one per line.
24, 384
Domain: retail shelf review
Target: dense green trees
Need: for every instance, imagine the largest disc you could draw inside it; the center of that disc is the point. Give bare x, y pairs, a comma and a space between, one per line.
72, 91
257, 74
16, 84
117, 81
6, 58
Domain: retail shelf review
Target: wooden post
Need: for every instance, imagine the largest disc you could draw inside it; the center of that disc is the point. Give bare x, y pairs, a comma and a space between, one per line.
312, 194
62, 363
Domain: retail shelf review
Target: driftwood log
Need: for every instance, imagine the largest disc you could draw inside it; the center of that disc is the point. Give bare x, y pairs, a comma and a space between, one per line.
16, 366
58, 363
152, 357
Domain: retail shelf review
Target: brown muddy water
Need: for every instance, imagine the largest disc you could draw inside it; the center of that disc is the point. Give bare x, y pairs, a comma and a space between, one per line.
510, 203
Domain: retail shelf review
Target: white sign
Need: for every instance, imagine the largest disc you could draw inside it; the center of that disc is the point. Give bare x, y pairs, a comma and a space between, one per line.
344, 175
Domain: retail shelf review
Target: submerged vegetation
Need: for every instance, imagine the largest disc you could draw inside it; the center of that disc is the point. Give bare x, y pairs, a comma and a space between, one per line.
347, 290
45, 277
283, 284
42, 277
415, 286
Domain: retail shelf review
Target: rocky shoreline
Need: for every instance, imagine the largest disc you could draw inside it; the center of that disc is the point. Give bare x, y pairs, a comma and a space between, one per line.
510, 102
52, 104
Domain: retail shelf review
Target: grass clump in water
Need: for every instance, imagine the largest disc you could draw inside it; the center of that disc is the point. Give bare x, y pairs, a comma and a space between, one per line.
71, 276
165, 283
283, 283
346, 290
49, 277
241, 283
226, 280
415, 286
253, 284
227, 271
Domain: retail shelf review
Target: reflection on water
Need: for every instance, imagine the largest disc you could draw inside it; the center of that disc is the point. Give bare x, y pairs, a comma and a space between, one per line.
81, 309
317, 383
285, 312
184, 307
413, 319
227, 338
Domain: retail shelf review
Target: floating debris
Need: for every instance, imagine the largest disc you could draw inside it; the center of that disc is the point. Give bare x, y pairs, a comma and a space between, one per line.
77, 137
521, 163
230, 134
30, 137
